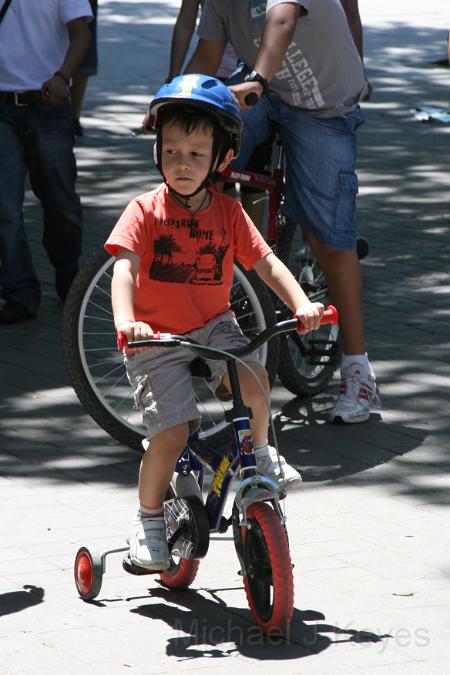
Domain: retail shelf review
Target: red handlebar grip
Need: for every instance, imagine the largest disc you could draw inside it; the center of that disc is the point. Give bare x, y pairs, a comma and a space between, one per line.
122, 341
330, 315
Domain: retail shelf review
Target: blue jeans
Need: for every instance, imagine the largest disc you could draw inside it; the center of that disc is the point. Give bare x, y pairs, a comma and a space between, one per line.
37, 139
321, 183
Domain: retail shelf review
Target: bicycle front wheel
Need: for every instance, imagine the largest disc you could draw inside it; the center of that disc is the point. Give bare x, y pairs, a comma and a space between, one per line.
95, 367
307, 362
269, 582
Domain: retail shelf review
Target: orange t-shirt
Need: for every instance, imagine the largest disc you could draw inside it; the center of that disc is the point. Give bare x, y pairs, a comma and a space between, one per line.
186, 260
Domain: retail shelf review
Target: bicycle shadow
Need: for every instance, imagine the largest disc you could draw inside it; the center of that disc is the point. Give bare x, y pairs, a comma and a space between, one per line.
16, 601
202, 629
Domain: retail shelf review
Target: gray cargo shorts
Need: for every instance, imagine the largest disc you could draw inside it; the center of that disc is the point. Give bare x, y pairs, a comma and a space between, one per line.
162, 381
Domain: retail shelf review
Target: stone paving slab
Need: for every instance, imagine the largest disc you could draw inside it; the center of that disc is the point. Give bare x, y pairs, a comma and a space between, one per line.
368, 530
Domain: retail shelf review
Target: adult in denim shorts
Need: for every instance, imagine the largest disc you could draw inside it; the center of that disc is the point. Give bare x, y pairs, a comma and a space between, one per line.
309, 79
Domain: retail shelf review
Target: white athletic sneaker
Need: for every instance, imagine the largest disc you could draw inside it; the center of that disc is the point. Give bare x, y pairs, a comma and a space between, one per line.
148, 544
357, 397
267, 465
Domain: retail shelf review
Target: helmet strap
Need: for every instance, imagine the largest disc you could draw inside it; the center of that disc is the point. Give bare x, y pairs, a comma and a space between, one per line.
212, 177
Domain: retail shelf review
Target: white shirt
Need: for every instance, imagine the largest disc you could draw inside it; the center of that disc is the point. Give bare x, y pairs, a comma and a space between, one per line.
34, 40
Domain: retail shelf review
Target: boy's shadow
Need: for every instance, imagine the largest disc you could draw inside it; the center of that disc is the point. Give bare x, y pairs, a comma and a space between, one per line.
210, 628
16, 601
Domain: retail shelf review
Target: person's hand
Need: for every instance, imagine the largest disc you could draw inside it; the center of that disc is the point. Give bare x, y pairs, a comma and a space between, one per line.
135, 331
242, 90
55, 91
309, 316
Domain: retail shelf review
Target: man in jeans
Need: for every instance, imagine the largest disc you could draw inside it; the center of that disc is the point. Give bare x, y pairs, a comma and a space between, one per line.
309, 78
41, 45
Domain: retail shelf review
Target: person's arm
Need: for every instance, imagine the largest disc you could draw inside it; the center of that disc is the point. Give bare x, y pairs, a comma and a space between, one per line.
182, 35
277, 276
126, 268
55, 90
279, 28
351, 10
206, 58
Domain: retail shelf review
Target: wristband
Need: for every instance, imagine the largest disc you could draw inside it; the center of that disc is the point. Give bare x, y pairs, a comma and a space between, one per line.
256, 77
60, 74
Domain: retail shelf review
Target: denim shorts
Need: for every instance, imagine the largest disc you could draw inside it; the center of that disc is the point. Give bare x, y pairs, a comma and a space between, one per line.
321, 183
162, 381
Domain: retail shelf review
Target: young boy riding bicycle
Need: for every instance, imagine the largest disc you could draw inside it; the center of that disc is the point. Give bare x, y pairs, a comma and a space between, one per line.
160, 242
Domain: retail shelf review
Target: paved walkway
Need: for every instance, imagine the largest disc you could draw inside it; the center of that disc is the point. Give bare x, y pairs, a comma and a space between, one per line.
369, 529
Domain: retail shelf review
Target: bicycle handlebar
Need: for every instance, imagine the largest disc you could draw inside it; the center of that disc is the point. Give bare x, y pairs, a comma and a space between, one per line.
330, 315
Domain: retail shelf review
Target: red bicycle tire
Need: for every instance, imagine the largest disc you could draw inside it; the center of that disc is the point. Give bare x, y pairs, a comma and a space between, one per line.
182, 576
280, 561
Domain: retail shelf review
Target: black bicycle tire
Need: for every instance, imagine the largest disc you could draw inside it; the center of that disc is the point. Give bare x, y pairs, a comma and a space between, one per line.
297, 382
77, 368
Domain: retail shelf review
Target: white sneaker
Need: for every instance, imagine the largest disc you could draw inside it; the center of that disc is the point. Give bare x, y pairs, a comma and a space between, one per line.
357, 398
268, 465
148, 544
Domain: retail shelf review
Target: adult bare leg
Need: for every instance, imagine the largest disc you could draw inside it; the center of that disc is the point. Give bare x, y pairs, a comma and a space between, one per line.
343, 273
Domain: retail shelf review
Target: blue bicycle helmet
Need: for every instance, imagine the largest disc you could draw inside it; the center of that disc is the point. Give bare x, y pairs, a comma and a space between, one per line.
205, 93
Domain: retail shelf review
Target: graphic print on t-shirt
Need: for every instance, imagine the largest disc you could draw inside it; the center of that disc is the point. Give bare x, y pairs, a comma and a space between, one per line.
295, 69
258, 10
187, 253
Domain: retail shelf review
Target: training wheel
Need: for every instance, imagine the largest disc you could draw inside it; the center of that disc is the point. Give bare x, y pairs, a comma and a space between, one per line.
88, 571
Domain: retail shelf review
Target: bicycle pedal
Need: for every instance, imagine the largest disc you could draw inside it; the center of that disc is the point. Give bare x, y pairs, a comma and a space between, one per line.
318, 349
131, 568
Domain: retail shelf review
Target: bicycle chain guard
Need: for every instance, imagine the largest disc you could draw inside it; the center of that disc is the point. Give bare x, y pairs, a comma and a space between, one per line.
187, 527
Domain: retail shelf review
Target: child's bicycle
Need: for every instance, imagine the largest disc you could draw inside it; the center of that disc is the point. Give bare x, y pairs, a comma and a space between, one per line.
257, 518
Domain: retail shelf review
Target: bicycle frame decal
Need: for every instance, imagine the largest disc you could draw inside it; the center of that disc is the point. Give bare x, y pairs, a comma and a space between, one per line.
224, 468
215, 502
216, 485
244, 441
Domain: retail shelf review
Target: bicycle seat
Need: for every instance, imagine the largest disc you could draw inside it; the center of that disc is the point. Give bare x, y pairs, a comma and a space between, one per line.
199, 368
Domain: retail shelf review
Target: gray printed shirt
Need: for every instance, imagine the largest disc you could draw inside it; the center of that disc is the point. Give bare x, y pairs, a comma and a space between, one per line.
322, 73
